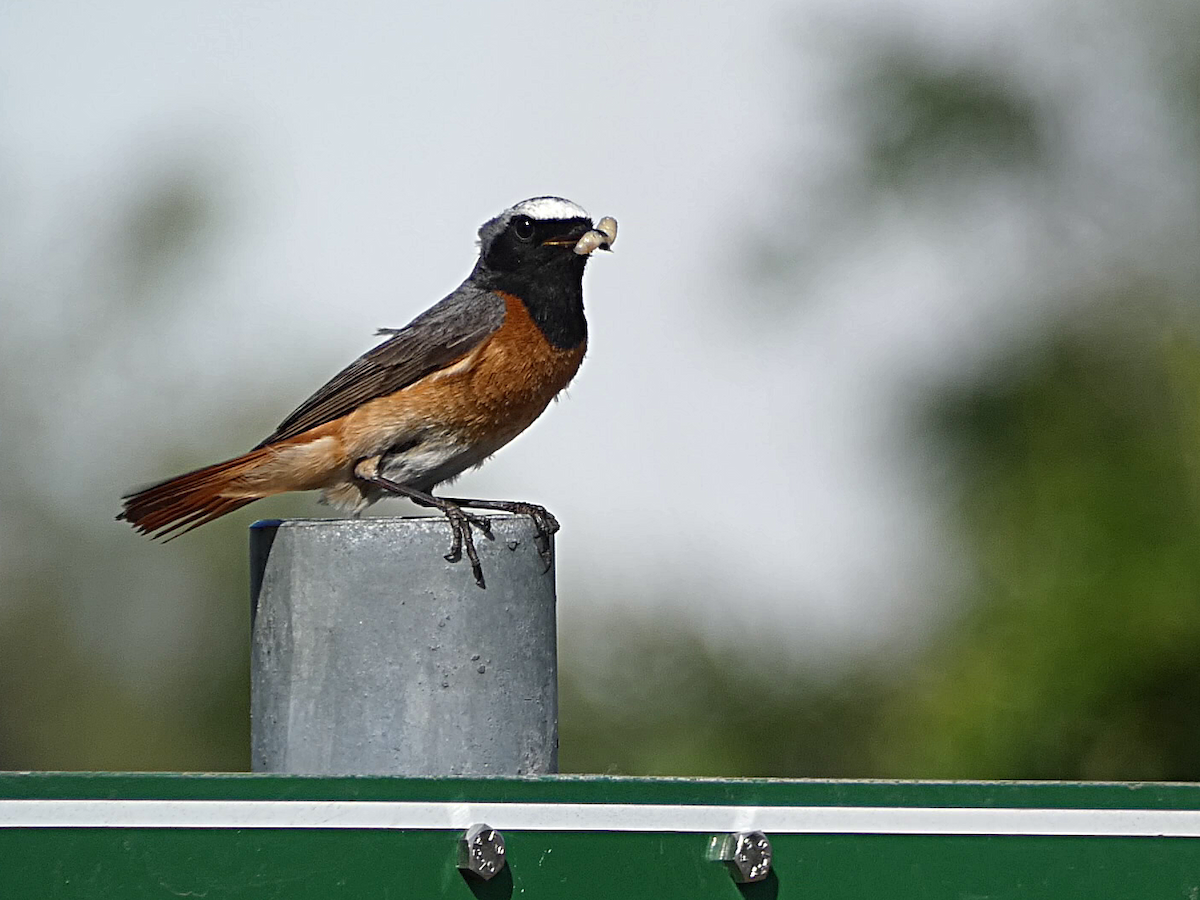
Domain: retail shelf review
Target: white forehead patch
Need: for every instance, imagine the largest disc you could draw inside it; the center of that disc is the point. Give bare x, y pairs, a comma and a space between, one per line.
550, 208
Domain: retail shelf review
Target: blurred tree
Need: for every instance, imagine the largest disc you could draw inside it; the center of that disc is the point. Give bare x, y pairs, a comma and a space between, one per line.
922, 124
668, 704
72, 582
1073, 460
1074, 653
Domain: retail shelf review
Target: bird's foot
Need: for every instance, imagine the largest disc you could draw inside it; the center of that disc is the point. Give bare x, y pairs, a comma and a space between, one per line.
460, 526
543, 521
460, 520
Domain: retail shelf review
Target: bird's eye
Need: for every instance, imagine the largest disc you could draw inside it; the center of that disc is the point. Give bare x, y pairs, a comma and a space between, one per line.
522, 227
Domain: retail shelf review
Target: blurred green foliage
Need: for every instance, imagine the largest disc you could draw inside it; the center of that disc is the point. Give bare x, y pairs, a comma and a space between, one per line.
924, 123
1068, 650
76, 691
1072, 652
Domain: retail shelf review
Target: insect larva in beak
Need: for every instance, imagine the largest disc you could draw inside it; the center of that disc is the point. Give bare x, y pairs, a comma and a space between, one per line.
589, 242
608, 227
600, 237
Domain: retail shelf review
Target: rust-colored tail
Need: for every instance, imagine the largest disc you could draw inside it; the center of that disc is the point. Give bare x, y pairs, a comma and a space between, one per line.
189, 501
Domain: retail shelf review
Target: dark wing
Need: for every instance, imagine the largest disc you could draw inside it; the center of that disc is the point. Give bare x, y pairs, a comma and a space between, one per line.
444, 333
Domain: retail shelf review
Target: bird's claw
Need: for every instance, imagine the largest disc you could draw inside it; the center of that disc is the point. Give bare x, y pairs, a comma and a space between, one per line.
546, 526
460, 527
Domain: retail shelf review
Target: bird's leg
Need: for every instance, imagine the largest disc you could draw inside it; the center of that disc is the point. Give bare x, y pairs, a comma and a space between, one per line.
460, 521
543, 521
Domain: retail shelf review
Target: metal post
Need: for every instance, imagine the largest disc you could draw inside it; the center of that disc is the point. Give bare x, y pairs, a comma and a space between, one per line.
373, 655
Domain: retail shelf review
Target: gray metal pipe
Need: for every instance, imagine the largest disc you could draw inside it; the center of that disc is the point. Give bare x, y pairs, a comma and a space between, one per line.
372, 655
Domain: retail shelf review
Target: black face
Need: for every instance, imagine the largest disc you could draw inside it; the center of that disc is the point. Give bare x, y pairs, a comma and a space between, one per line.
535, 260
529, 244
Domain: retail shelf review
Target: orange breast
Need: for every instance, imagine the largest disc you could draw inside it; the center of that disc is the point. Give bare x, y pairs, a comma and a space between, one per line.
488, 397
517, 374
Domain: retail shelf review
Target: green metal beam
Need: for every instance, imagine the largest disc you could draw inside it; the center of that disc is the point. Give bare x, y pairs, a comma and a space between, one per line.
303, 860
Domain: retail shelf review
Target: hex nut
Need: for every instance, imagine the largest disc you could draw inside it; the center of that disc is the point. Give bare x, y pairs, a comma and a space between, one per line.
747, 855
481, 852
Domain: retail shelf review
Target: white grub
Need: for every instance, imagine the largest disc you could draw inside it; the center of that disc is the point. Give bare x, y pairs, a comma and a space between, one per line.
608, 226
602, 236
589, 242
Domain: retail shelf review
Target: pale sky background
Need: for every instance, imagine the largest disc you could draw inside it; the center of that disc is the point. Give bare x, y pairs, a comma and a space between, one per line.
728, 447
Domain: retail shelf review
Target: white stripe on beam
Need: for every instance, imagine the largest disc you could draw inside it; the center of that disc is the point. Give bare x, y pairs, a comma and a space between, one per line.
612, 817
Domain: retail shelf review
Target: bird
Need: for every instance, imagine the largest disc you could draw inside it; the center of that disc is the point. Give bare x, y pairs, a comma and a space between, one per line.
436, 397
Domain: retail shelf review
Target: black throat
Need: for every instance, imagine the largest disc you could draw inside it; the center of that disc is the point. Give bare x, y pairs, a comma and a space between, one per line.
553, 294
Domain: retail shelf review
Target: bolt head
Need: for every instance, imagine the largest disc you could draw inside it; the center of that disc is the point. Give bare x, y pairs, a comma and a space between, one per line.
481, 852
747, 855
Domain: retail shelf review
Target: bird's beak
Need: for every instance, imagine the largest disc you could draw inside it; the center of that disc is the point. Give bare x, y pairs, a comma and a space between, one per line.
568, 238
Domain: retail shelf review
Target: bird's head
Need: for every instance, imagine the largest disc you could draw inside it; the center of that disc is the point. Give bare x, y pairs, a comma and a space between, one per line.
541, 232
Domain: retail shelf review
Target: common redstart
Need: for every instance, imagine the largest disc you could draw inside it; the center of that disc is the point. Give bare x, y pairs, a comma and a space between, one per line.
437, 397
